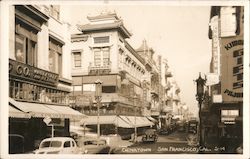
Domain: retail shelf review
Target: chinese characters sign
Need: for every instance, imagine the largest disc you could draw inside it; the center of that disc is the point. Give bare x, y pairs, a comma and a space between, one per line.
232, 69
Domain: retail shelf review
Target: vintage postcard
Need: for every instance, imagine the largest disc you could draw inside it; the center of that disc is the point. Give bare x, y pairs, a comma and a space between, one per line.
120, 78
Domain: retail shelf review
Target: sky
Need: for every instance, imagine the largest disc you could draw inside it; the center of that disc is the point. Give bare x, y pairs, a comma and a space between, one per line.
178, 33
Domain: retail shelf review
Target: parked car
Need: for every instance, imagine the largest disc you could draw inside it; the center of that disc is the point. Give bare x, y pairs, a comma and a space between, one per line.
16, 144
150, 135
192, 126
92, 146
57, 145
182, 126
164, 131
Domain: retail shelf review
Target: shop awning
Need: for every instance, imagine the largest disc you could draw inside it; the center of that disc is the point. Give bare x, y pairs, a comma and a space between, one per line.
15, 113
151, 119
42, 110
137, 121
110, 119
66, 112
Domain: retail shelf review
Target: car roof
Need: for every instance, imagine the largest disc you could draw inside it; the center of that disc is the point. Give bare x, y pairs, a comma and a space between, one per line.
58, 139
89, 139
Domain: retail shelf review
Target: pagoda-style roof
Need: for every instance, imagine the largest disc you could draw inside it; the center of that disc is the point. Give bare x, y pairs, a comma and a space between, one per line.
104, 16
102, 22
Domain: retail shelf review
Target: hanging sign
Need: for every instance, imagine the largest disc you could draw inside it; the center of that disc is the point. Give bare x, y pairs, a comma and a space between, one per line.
232, 69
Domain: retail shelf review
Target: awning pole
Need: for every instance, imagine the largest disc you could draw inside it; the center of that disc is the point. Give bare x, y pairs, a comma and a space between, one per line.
52, 130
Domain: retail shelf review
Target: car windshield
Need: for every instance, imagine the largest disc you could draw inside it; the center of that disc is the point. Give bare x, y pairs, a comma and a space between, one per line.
94, 142
149, 131
51, 144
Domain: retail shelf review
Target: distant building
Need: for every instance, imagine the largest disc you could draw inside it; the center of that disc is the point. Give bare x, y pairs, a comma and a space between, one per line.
39, 79
101, 52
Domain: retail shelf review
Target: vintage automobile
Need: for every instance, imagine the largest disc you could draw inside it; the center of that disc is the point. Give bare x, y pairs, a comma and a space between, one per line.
150, 135
92, 146
16, 143
192, 126
57, 145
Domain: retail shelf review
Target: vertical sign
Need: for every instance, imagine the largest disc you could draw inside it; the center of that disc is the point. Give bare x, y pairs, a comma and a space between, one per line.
232, 65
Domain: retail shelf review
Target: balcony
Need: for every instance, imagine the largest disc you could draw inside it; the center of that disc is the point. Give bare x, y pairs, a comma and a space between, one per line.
99, 70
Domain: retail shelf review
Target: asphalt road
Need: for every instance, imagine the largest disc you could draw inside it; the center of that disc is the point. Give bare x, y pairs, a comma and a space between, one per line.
174, 143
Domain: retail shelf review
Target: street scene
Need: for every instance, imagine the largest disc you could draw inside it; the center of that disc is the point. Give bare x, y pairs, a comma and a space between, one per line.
119, 79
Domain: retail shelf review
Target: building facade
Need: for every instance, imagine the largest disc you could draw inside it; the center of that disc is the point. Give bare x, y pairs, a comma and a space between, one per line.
226, 108
39, 79
101, 52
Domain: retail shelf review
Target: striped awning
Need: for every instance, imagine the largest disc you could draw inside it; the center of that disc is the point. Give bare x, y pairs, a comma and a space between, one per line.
137, 121
107, 119
15, 113
39, 110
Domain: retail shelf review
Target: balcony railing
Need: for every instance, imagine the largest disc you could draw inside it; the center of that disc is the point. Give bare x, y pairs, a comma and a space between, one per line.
99, 70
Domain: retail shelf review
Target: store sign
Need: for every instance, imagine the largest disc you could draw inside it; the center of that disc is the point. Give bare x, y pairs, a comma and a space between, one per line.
212, 79
232, 69
35, 74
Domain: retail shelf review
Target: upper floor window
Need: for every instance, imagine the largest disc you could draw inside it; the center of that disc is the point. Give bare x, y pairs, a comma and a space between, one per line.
77, 59
55, 56
102, 56
25, 46
103, 39
54, 11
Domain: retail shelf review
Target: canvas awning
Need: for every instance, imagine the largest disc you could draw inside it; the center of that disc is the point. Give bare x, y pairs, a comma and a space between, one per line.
66, 112
15, 113
109, 119
151, 119
137, 121
39, 110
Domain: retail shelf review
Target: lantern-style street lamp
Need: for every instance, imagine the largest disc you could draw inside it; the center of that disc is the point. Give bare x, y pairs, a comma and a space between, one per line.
200, 83
98, 98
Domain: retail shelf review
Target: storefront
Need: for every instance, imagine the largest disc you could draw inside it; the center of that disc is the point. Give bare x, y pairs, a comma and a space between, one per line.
117, 124
33, 96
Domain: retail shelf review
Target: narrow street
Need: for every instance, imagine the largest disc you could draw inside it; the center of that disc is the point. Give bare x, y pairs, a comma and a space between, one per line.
174, 143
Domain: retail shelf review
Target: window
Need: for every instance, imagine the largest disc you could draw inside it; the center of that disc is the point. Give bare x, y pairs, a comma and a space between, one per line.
103, 39
73, 144
108, 89
25, 48
77, 88
55, 56
102, 56
66, 144
77, 59
55, 11
89, 87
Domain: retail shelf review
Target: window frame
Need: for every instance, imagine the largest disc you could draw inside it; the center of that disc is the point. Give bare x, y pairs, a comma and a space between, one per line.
101, 56
56, 50
77, 61
29, 45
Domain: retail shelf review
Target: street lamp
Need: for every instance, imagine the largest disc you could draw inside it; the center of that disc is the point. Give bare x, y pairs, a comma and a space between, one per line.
98, 98
135, 136
200, 83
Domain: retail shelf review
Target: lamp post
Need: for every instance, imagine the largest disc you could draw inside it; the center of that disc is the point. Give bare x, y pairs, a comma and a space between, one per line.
135, 136
200, 83
98, 98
